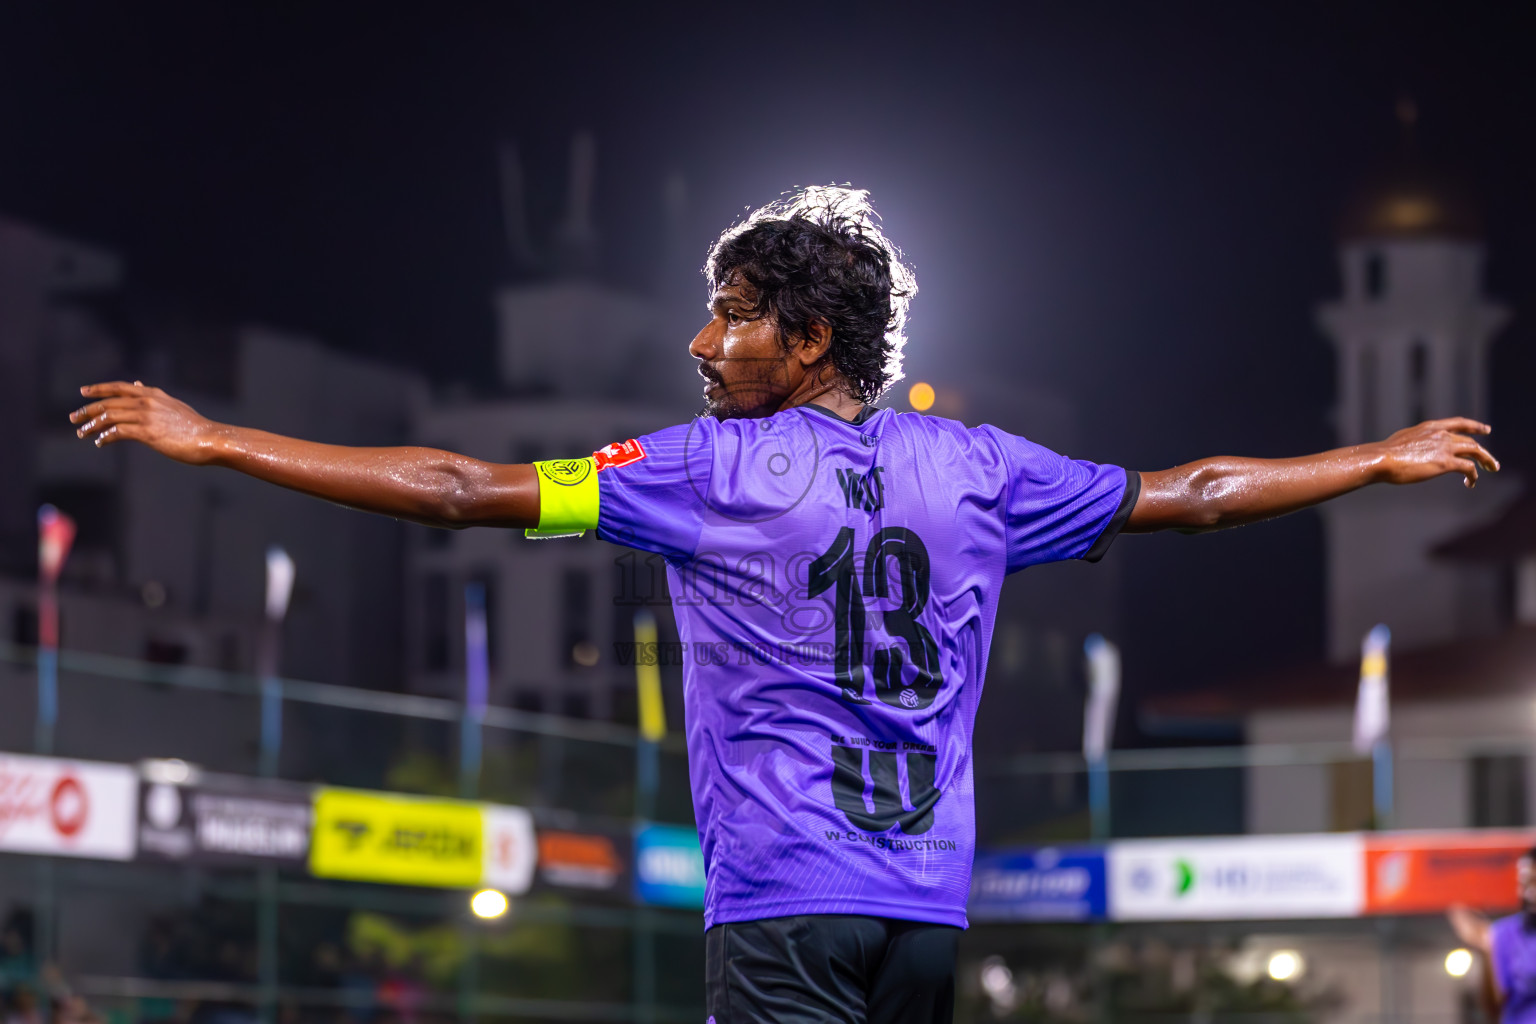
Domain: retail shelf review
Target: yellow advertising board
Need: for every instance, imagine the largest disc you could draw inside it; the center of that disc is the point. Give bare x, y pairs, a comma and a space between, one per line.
377, 837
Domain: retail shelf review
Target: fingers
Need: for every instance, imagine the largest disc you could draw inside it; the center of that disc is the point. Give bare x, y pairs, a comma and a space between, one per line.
94, 409
1461, 425
115, 389
94, 415
1468, 470
1467, 449
1483, 456
119, 432
108, 419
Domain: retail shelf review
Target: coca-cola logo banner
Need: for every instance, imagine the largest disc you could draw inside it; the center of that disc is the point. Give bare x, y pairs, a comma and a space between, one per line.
67, 808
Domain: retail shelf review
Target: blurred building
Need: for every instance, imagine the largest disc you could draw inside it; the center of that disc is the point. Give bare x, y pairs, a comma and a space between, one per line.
168, 565
1412, 332
582, 363
1451, 571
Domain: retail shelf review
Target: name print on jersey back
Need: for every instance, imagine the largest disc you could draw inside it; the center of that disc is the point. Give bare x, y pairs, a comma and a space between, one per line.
865, 492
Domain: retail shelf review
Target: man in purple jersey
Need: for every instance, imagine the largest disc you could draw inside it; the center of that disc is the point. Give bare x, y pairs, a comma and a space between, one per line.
1508, 950
835, 570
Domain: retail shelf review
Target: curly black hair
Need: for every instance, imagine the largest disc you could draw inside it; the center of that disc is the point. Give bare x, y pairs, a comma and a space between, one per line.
819, 254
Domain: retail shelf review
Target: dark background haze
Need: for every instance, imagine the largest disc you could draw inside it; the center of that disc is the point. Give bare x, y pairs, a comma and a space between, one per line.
1134, 206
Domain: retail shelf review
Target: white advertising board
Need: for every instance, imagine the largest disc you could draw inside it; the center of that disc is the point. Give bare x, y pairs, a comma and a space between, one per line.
67, 808
509, 848
1234, 879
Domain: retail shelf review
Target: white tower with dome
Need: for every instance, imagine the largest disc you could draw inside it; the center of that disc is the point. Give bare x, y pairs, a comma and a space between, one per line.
1411, 333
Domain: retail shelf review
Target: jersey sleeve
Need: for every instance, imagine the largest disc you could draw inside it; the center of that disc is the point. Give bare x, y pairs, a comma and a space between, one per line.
1504, 937
651, 490
1056, 508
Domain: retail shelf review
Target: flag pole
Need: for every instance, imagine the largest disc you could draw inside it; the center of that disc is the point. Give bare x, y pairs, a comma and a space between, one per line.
477, 672
1373, 720
280, 573
55, 534
1099, 727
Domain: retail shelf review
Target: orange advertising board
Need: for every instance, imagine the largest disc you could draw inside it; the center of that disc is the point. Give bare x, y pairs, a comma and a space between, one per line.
1427, 872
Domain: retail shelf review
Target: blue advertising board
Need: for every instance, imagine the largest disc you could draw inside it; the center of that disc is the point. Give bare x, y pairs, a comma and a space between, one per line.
669, 867
1052, 883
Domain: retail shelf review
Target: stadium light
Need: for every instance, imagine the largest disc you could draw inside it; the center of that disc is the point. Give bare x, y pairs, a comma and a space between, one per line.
921, 396
1285, 965
488, 904
1458, 962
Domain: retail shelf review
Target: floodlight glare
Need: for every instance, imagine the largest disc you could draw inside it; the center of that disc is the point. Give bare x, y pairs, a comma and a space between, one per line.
488, 903
1284, 965
921, 396
1458, 962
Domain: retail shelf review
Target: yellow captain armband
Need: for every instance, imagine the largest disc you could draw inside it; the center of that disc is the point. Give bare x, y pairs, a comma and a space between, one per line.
567, 498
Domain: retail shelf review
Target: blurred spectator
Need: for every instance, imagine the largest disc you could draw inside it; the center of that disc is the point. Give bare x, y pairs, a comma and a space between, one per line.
72, 1009
16, 960
22, 1006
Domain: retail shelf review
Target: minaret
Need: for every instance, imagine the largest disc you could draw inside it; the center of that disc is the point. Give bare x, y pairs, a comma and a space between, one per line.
1411, 332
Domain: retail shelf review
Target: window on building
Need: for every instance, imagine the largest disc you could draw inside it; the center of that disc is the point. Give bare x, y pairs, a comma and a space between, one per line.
24, 626
1375, 275
624, 706
229, 652
1522, 604
160, 651
1498, 791
1418, 382
576, 705
1367, 386
1352, 800
1466, 383
434, 622
577, 649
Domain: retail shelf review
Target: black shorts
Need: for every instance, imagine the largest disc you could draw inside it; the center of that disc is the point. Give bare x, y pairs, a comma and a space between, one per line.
830, 967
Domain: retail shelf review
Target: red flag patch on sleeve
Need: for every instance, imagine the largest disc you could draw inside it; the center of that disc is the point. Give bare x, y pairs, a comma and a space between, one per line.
620, 453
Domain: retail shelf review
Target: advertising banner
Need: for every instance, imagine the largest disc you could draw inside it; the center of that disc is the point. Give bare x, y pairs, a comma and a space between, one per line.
225, 820
583, 859
669, 866
67, 808
1235, 879
510, 850
380, 837
1047, 884
1425, 873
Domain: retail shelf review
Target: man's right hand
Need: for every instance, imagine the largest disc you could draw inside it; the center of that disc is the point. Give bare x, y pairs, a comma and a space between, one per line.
120, 411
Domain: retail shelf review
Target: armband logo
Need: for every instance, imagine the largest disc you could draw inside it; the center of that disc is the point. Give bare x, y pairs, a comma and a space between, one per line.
620, 453
565, 472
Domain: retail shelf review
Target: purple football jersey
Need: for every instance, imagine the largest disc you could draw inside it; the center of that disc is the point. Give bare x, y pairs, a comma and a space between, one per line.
1514, 965
835, 585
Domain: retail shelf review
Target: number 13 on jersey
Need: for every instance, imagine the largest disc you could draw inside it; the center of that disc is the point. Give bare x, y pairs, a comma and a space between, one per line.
906, 677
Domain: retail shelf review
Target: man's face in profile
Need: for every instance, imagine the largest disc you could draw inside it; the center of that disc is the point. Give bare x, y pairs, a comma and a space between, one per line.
742, 358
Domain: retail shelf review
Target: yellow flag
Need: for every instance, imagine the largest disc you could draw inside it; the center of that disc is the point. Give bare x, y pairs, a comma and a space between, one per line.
653, 716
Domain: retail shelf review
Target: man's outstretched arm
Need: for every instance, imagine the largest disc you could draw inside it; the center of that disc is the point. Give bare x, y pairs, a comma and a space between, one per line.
1226, 491
423, 485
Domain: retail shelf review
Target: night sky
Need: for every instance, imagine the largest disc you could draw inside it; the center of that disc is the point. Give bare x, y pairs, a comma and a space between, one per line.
1134, 206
